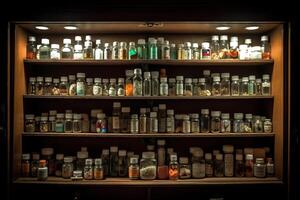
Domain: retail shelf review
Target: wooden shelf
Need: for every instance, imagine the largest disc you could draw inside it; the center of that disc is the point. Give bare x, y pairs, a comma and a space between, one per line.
150, 183
228, 62
148, 135
149, 98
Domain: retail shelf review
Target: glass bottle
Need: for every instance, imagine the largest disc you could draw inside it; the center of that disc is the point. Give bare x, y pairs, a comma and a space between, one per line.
39, 86
44, 125
122, 51
179, 86
239, 166
98, 50
160, 43
64, 86
155, 83
88, 48
125, 120
195, 86
219, 166
153, 123
209, 165
129, 84
187, 51
112, 91
31, 86
105, 162
137, 82
88, 169
198, 164
101, 124
34, 165
244, 86
173, 52
68, 127
228, 160
215, 47
163, 86
141, 49
107, 52
122, 164
147, 84
153, 49
80, 161
116, 117
166, 54
188, 87
238, 123
55, 53
216, 86
224, 47
215, 122
267, 126
195, 125
80, 84
55, 89
77, 125
132, 51
29, 123
67, 168
48, 86
265, 47
249, 165
78, 52
173, 167
25, 165
208, 81
98, 171
205, 121
67, 49
225, 84
134, 124
266, 85
184, 168
259, 170
42, 172
225, 123
114, 161
235, 86
97, 87
44, 50
148, 165
257, 124
233, 52
195, 50
37, 120
248, 123
186, 124
89, 87
178, 123
258, 87
105, 85
202, 89
60, 123
134, 169
162, 118
161, 153
180, 51
252, 85
172, 87
58, 164
31, 50
205, 51
47, 154
143, 121
38, 51
270, 167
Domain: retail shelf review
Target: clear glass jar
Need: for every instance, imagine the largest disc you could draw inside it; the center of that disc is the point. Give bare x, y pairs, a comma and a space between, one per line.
29, 123
249, 165
68, 167
198, 164
216, 86
122, 164
88, 169
155, 83
31, 86
147, 84
128, 83
244, 86
179, 86
205, 51
225, 84
105, 85
267, 126
134, 169
78, 52
77, 125
238, 123
215, 122
233, 51
195, 124
180, 52
258, 125
58, 164
163, 91
98, 50
258, 87
47, 154
259, 168
121, 87
134, 124
116, 117
137, 82
186, 124
252, 85
67, 49
68, 127
125, 119
59, 125
195, 86
97, 87
208, 80
239, 166
178, 123
196, 52
25, 165
224, 47
188, 87
44, 50
89, 87
187, 55
64, 86
44, 125
123, 51
256, 53
80, 84
107, 52
165, 50
153, 123
172, 87
248, 123
148, 166
31, 50
205, 121
162, 118
153, 49
141, 49
265, 47
55, 52
173, 51
93, 120
266, 85
101, 124
88, 48
55, 89
42, 171
235, 86
39, 87
52, 123
143, 121
219, 166
215, 47
202, 88
225, 123
112, 87
98, 171
160, 43
72, 85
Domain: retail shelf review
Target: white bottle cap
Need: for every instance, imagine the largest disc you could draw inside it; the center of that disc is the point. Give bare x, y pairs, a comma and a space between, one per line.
45, 41
216, 78
88, 37
179, 78
59, 156
238, 115
215, 113
264, 38
54, 46
224, 37
225, 116
161, 142
208, 156
47, 151
266, 77
29, 116
80, 75
228, 148
248, 41
114, 149
98, 41
122, 152
78, 38
219, 156
215, 37
239, 157
204, 111
252, 78
225, 75
101, 115
106, 151
141, 41
89, 80
39, 79
235, 78
153, 114
63, 78
67, 41
195, 45
97, 80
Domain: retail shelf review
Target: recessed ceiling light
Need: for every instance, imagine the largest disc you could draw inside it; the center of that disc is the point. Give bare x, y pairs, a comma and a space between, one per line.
41, 28
223, 28
251, 28
71, 27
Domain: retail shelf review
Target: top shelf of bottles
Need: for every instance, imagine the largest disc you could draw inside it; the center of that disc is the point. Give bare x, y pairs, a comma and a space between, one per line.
227, 62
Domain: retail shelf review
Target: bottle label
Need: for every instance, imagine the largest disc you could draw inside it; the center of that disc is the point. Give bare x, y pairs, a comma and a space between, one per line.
198, 170
170, 125
116, 122
133, 172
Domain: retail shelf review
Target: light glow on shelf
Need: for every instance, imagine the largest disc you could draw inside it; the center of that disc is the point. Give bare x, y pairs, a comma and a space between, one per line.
252, 28
43, 28
70, 27
223, 28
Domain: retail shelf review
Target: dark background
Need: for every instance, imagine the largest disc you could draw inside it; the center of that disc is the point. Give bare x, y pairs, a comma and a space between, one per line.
154, 10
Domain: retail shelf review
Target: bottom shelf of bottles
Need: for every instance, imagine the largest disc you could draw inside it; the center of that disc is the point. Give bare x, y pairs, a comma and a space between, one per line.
127, 181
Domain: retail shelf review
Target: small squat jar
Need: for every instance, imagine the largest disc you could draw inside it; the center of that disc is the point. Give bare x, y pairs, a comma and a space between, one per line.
134, 169
148, 166
238, 123
268, 126
29, 123
184, 168
188, 87
44, 125
260, 168
88, 169
97, 87
77, 125
216, 86
186, 124
67, 168
98, 169
55, 53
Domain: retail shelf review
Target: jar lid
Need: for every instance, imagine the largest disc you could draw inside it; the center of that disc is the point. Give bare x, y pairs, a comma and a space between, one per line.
248, 150
225, 75
88, 37
130, 153
186, 117
206, 72
205, 111
153, 114
134, 116
188, 44
67, 41
184, 160
195, 45
54, 46
44, 118
26, 156
264, 38
205, 45
170, 112
89, 161
162, 106
64, 78
121, 80
112, 80
249, 156
39, 79
215, 152
45, 41
56, 80
80, 75
97, 80
150, 147
68, 159
216, 78
235, 78
37, 118
35, 156
208, 156
31, 39
179, 78
125, 109
238, 115
84, 149
47, 151
201, 80
215, 113
215, 37
82, 154
173, 157
141, 41
243, 47
228, 148
172, 80
224, 37
98, 41
69, 115
219, 156
170, 150
260, 160
248, 116
101, 115
98, 161
193, 149
239, 157
161, 142
225, 116
248, 41
258, 80
147, 74
252, 78
42, 162
188, 80
155, 74
142, 110
234, 39
106, 45
114, 149
106, 151
137, 71
29, 116
198, 153
52, 112
195, 115
134, 160
122, 152
266, 77
78, 38
89, 80
77, 116
32, 79
256, 48
59, 156
148, 154
94, 112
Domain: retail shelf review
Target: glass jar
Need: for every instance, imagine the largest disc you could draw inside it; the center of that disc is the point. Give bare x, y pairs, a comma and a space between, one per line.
42, 172
153, 49
141, 49
239, 165
44, 126
64, 86
147, 84
134, 124
78, 52
88, 169
107, 52
196, 52
215, 47
248, 123
39, 87
243, 53
179, 86
187, 55
137, 82
244, 86
153, 123
238, 123
155, 83
195, 125
88, 48
258, 124
259, 168
266, 85
47, 154
122, 164
31, 50
67, 168
55, 52
173, 52
186, 124
98, 172
162, 118
77, 127
143, 121
67, 49
252, 85
148, 166
178, 123
112, 87
115, 50
205, 51
120, 87
205, 121
228, 160
89, 87
198, 164
34, 164
37, 120
123, 51
225, 84
44, 50
55, 89
173, 167
258, 87
224, 47
58, 164
180, 52
249, 165
101, 124
256, 53
215, 122
125, 119
98, 50
267, 126
114, 161
202, 88
81, 157
48, 86
165, 50
29, 123
31, 86
225, 123
80, 84
105, 89
128, 83
97, 87
265, 47
172, 87
233, 52
219, 166
270, 167
59, 125
235, 86
216, 86
195, 86
25, 165
163, 86
134, 169
68, 123
188, 87
184, 168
